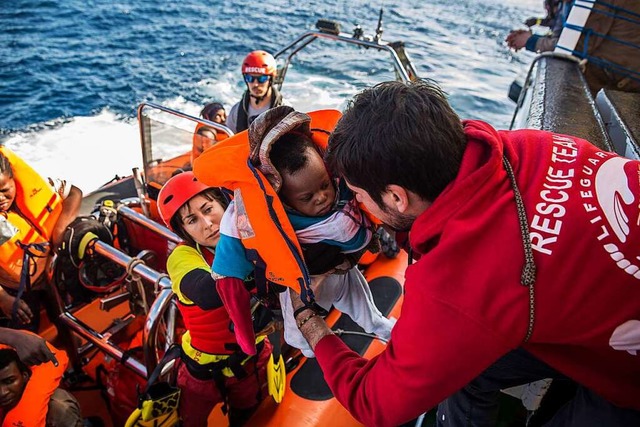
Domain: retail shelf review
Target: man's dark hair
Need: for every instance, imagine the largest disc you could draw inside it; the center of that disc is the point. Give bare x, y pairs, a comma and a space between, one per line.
211, 194
8, 355
289, 153
398, 133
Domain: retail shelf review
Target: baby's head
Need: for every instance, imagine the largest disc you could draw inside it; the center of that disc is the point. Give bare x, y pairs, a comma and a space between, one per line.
306, 184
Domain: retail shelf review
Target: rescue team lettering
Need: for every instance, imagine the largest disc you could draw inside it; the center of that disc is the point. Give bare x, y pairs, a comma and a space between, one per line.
547, 223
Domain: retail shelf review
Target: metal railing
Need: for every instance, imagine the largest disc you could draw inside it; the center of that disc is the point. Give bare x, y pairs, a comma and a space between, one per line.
402, 64
145, 137
161, 316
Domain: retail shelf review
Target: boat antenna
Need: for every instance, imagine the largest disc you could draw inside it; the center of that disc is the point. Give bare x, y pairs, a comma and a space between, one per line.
378, 35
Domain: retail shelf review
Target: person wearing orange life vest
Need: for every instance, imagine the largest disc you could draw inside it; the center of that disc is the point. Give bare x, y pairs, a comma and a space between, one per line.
30, 396
34, 215
205, 136
258, 70
268, 244
321, 210
215, 367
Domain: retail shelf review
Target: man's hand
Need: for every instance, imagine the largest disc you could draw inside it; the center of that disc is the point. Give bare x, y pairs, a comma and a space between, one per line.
517, 39
70, 209
296, 301
23, 314
314, 328
31, 348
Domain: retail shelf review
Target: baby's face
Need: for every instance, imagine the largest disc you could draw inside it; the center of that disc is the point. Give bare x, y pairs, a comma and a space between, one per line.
309, 190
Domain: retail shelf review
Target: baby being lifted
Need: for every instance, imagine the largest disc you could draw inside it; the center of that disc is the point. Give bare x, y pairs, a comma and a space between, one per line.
322, 212
330, 227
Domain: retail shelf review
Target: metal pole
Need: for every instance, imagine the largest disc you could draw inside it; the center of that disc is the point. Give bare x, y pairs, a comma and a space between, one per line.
150, 332
139, 218
123, 259
102, 342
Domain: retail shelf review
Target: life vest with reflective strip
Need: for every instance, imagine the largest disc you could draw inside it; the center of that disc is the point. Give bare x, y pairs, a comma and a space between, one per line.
34, 213
265, 229
32, 409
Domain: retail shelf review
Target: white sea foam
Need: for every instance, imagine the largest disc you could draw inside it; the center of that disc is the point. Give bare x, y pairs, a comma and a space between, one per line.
88, 151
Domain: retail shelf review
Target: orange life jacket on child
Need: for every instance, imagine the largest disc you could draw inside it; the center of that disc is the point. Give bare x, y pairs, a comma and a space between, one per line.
262, 221
34, 214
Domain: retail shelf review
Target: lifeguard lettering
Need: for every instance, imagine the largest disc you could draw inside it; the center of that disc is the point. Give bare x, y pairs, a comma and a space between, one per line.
609, 200
554, 194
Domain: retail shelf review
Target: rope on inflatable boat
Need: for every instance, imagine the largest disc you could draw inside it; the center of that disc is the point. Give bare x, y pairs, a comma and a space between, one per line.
340, 332
133, 277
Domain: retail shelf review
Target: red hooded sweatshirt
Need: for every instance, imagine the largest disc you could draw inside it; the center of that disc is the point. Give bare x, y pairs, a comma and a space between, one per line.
464, 305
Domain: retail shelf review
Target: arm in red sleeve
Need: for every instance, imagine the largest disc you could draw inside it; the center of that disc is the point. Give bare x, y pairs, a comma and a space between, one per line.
434, 351
237, 301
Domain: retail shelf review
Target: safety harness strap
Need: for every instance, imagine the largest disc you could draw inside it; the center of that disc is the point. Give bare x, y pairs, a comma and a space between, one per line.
26, 273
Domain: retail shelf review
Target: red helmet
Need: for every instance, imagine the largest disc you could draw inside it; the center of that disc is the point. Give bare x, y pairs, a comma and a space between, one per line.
176, 192
259, 62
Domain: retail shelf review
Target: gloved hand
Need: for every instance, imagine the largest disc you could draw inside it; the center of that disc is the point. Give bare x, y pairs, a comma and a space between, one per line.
531, 21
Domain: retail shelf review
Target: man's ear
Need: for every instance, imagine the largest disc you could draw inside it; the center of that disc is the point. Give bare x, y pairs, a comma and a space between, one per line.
398, 197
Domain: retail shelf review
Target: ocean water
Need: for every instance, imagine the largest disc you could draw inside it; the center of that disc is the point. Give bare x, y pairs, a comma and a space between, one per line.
72, 72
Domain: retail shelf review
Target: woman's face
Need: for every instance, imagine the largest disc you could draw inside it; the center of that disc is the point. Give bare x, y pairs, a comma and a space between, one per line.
220, 116
201, 220
7, 192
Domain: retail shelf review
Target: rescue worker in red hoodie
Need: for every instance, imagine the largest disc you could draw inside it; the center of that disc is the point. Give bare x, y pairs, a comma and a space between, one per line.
528, 265
215, 368
258, 71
